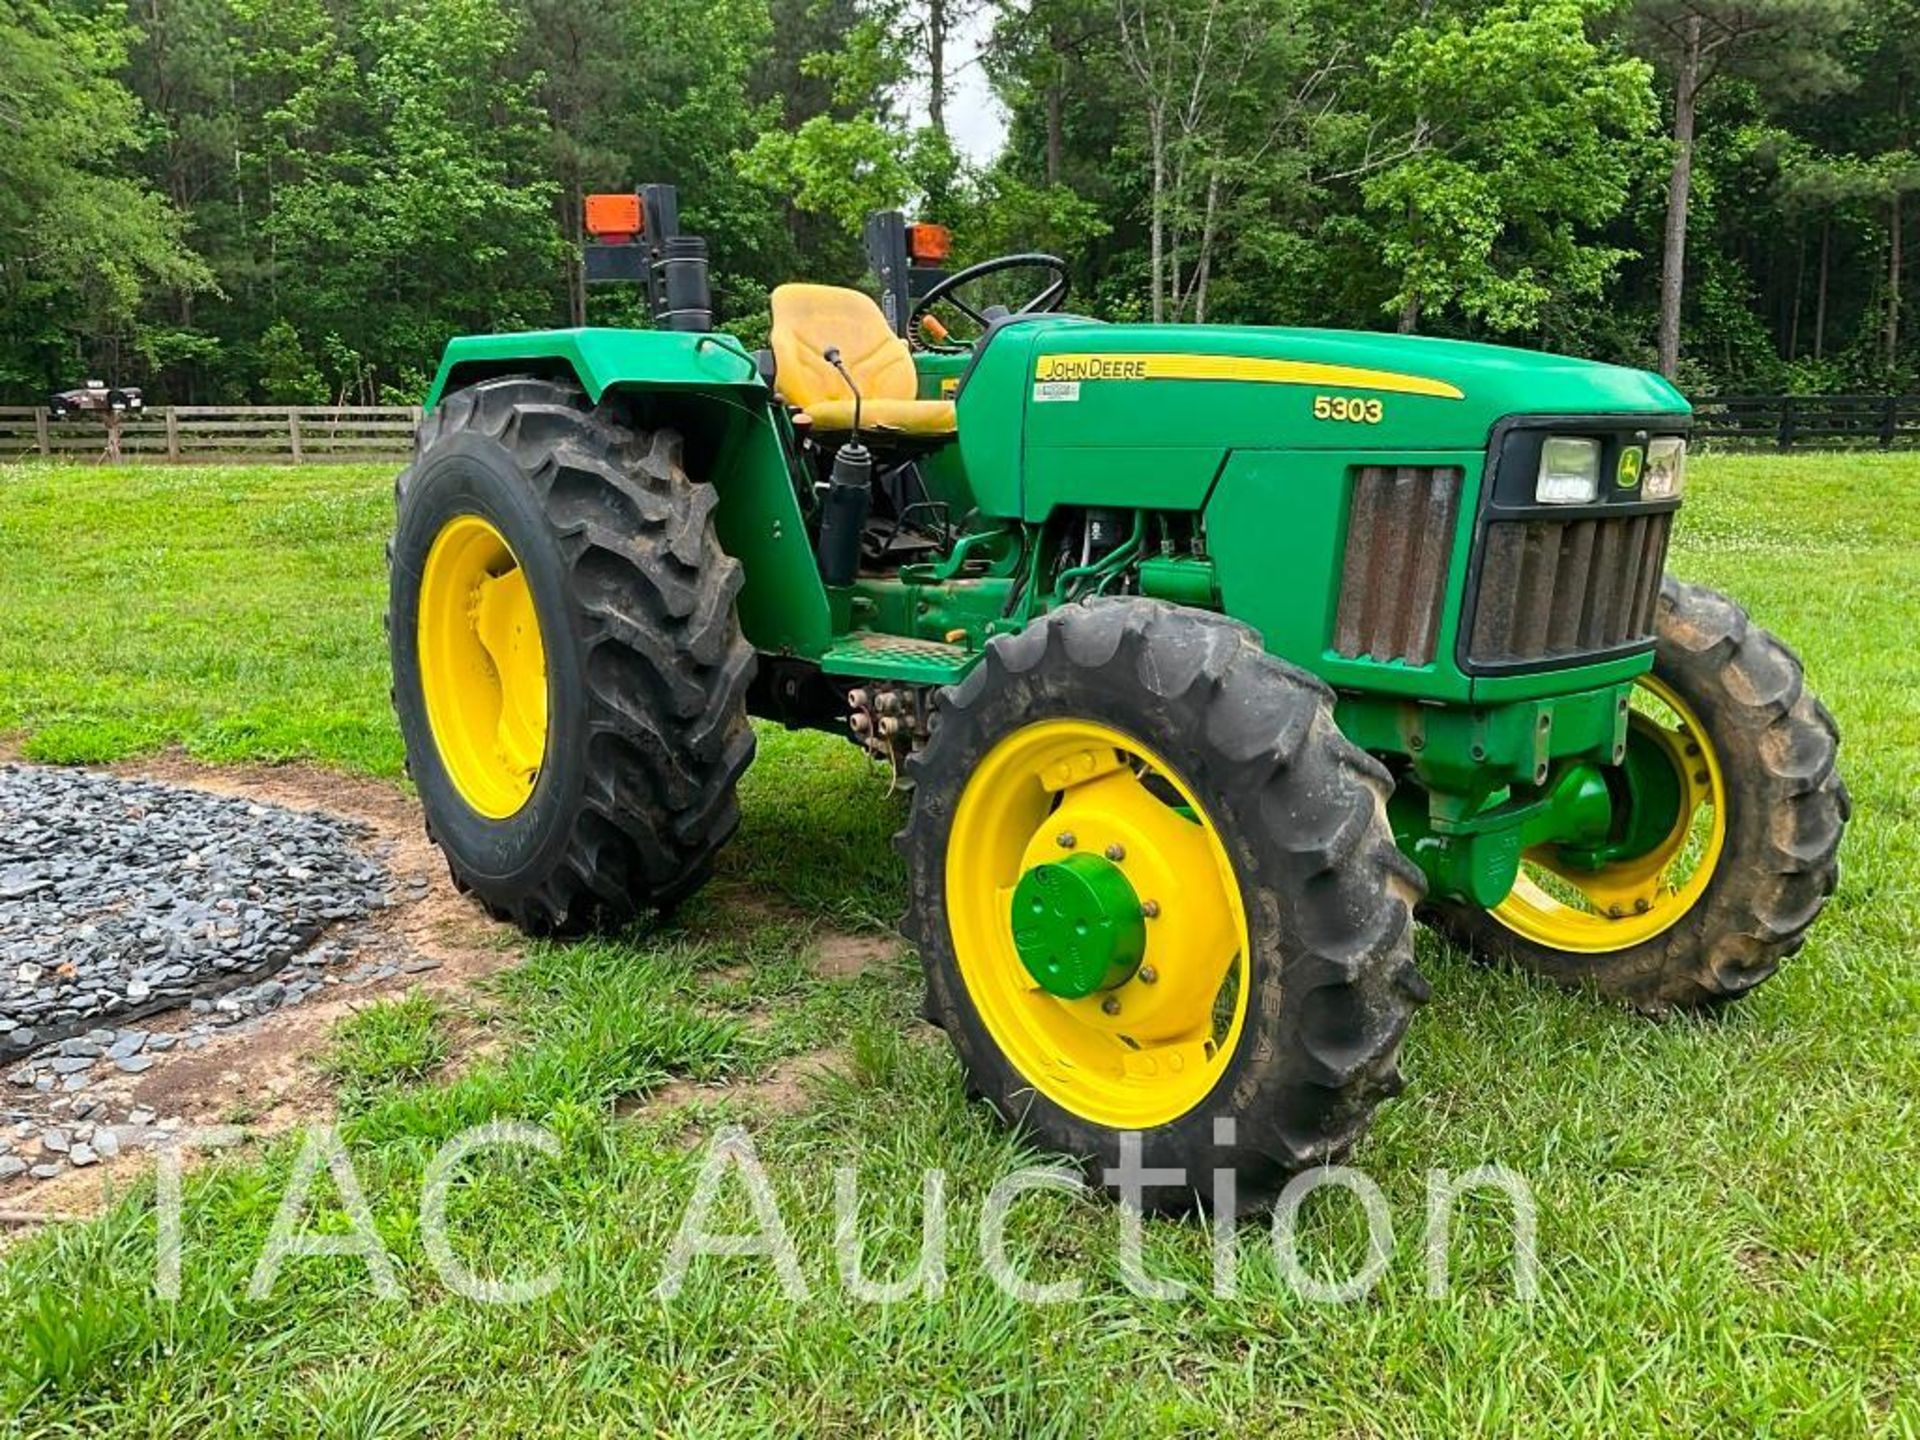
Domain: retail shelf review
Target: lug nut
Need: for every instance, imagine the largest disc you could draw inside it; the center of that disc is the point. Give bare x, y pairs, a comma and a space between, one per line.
1116, 852
1110, 1005
1147, 975
1065, 840
1642, 905
1615, 912
1150, 909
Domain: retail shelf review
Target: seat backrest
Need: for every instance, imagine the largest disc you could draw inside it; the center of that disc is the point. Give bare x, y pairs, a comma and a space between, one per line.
809, 320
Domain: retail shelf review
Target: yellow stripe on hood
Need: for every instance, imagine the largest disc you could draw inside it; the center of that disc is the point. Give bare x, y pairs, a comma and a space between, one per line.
1255, 369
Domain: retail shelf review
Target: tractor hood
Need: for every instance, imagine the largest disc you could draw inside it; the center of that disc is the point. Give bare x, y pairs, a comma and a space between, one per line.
1261, 386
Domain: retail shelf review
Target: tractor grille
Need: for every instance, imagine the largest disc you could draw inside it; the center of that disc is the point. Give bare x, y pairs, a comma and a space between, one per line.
1399, 546
1551, 589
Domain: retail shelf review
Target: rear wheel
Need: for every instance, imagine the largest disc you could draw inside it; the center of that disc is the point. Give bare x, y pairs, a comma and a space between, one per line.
1154, 889
569, 672
1732, 813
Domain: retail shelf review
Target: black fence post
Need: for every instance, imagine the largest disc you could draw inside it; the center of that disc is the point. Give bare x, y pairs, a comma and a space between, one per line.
1890, 422
1786, 422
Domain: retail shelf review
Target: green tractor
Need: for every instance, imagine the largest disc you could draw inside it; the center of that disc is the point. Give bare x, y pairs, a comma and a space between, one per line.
1213, 655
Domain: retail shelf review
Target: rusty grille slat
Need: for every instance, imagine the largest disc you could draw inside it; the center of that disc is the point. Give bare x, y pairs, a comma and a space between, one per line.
1657, 537
1393, 581
1636, 556
1599, 598
1540, 563
1499, 591
1554, 589
1569, 596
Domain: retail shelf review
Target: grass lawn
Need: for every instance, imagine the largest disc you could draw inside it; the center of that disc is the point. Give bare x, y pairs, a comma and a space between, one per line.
1728, 1235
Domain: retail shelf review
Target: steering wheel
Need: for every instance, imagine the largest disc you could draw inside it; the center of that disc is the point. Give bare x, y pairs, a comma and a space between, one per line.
1047, 298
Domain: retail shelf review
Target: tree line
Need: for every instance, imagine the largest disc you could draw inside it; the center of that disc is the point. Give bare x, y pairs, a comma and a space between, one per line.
299, 201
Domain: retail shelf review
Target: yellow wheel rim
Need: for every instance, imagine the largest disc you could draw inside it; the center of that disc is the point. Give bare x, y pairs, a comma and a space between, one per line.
1146, 1052
483, 667
1598, 912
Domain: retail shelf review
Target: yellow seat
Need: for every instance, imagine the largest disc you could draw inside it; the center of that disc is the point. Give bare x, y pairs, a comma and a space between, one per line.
808, 321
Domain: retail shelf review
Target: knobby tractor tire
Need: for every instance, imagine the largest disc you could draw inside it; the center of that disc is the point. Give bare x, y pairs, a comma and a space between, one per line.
1787, 808
646, 668
1302, 817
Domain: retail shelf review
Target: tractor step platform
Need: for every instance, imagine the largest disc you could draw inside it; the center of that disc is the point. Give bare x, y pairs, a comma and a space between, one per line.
877, 656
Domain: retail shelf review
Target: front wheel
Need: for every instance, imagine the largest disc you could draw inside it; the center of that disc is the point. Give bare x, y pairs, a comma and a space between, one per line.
1730, 787
568, 667
1155, 892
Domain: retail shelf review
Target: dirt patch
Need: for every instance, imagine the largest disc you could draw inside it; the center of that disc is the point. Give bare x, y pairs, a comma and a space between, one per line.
785, 1089
839, 956
782, 1090
266, 1081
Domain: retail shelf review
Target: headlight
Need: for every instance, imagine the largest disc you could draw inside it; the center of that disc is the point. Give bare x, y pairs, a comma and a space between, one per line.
1666, 467
1569, 471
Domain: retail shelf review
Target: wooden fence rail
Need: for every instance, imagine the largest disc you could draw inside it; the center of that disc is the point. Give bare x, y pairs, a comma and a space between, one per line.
1812, 422
306, 433
298, 433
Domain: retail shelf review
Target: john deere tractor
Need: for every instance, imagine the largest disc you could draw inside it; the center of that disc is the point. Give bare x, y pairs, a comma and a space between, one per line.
1213, 656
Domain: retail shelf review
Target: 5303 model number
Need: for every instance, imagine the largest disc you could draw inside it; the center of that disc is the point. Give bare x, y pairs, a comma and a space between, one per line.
1356, 409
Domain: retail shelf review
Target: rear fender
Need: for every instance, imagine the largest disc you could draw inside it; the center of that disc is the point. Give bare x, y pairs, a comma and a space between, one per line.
708, 388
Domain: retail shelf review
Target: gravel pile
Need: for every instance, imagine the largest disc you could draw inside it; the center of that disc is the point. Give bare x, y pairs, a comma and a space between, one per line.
41, 1151
120, 898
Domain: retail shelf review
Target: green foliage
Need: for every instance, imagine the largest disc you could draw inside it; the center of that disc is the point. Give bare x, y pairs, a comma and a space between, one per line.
287, 377
1782, 42
1010, 214
82, 241
841, 169
1521, 154
441, 125
301, 200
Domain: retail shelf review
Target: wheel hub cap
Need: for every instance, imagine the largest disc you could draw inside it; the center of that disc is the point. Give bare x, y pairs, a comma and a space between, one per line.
483, 666
1078, 927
